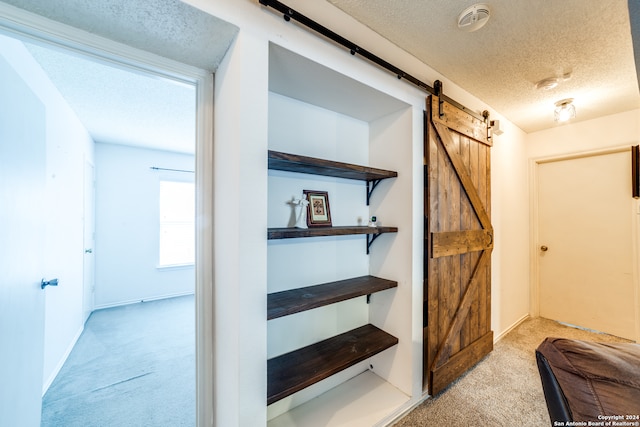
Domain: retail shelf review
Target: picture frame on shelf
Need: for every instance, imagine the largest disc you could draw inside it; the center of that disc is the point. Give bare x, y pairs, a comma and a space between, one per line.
318, 211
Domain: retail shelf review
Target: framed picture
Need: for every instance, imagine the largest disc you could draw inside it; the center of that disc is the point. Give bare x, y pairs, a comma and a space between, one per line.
318, 213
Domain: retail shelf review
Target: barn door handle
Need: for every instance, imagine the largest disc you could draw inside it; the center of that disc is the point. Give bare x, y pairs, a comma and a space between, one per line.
544, 248
45, 283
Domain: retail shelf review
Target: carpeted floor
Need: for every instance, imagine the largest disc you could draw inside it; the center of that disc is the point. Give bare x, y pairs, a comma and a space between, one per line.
504, 388
132, 366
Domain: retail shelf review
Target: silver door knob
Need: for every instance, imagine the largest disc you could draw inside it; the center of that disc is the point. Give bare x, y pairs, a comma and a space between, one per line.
45, 283
544, 248
88, 251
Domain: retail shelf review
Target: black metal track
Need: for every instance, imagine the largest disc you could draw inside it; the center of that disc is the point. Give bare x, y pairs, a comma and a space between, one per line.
290, 14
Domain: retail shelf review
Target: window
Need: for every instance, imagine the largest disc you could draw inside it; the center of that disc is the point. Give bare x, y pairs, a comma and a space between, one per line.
177, 223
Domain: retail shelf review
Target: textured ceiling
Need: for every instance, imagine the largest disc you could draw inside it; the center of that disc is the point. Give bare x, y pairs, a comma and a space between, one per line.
524, 41
117, 104
168, 28
120, 106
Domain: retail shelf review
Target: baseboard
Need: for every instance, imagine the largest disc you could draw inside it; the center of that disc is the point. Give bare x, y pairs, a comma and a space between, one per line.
135, 301
63, 359
402, 411
511, 328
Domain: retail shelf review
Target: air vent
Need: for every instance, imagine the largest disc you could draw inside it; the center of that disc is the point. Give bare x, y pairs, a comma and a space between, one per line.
474, 17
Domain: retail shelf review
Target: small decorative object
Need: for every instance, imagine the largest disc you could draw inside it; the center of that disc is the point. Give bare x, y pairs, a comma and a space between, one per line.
301, 211
373, 222
318, 213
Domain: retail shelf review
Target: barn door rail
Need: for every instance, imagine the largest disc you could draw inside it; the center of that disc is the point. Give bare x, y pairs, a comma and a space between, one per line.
289, 14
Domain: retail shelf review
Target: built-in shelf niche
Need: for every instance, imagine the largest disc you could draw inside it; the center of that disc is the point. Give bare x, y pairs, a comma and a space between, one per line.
295, 381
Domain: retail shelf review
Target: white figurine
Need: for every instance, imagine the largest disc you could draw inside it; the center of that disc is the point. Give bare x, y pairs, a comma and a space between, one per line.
301, 216
373, 222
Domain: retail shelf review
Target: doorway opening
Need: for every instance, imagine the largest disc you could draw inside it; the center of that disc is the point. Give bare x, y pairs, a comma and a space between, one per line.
584, 222
201, 83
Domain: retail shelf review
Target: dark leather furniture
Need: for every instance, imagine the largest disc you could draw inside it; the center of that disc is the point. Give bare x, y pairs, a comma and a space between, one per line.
589, 381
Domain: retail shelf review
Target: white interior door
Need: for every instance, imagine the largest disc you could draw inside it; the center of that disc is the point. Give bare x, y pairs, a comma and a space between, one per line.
22, 184
88, 264
585, 246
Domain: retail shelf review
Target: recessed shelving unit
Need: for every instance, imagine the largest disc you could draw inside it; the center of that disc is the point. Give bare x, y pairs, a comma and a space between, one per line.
293, 301
293, 371
328, 350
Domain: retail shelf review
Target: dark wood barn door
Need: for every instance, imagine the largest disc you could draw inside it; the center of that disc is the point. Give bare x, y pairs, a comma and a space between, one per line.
458, 244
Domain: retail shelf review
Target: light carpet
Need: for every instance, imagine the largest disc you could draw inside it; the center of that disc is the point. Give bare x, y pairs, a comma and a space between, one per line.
503, 389
133, 365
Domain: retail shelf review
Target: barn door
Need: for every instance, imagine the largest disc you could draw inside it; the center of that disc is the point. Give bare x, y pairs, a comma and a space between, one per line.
459, 240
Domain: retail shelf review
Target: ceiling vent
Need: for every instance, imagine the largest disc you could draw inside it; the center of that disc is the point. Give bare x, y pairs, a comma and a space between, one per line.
474, 17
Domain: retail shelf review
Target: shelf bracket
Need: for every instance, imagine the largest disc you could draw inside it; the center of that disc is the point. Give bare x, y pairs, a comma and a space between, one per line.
370, 239
371, 185
368, 298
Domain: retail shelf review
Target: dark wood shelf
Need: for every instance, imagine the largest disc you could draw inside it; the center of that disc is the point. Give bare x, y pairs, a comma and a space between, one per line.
301, 299
291, 372
312, 165
289, 233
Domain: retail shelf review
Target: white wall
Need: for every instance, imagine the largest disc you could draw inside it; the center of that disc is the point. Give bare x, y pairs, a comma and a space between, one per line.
127, 225
241, 138
68, 147
606, 132
240, 236
510, 219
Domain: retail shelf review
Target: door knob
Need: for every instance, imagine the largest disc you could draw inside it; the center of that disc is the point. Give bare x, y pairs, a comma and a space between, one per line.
45, 283
544, 248
88, 251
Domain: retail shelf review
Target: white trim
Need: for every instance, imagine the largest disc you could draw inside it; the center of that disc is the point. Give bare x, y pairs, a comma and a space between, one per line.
534, 305
170, 267
205, 263
534, 292
582, 154
25, 25
37, 29
635, 229
63, 359
136, 301
402, 411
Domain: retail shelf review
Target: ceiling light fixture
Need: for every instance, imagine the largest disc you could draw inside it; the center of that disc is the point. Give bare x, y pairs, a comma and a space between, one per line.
474, 17
564, 111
